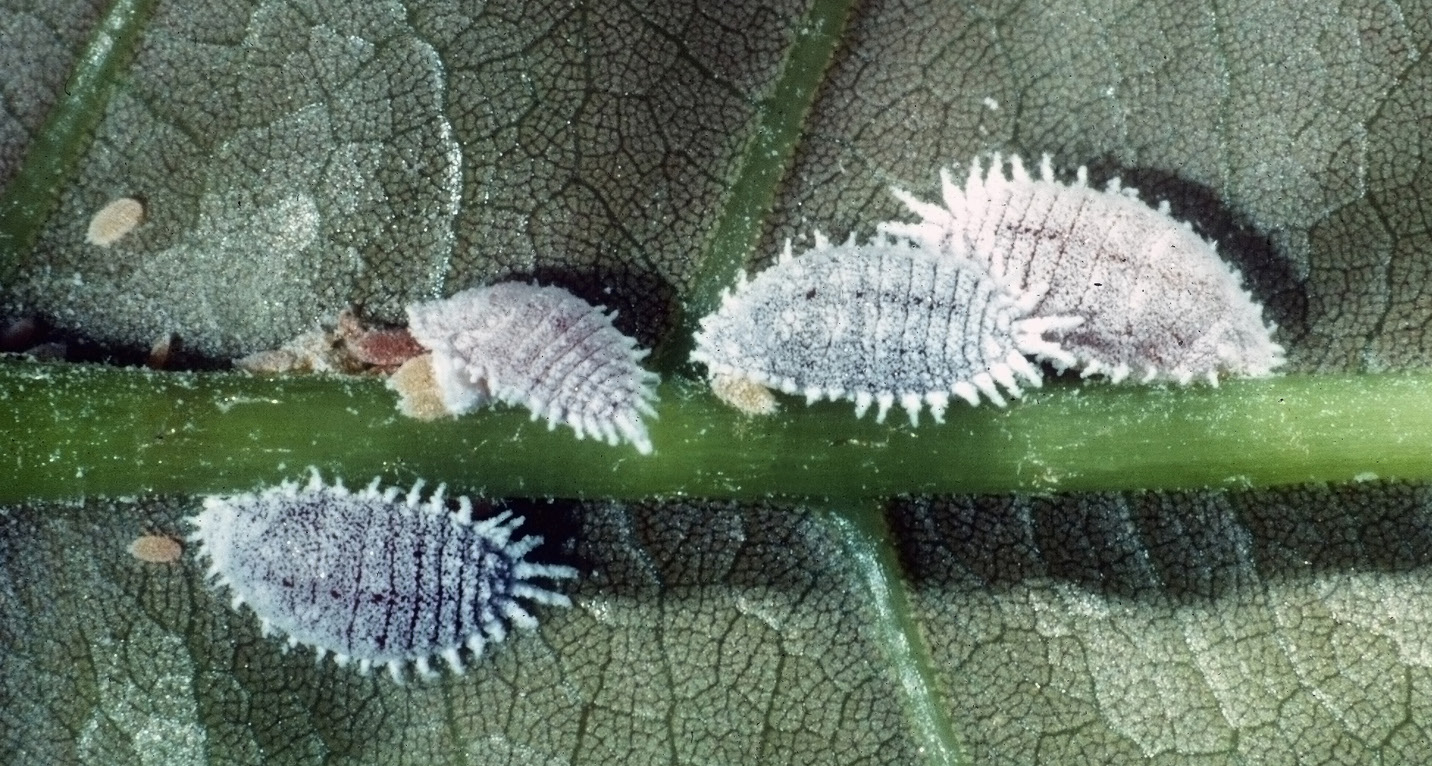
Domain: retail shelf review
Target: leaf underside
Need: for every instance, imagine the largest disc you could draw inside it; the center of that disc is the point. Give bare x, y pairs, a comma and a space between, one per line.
297, 158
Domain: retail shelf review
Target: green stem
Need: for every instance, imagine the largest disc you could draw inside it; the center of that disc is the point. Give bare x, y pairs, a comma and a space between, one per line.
776, 133
71, 430
866, 538
67, 132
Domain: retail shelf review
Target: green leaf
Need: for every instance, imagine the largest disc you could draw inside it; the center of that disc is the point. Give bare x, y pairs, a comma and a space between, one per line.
295, 158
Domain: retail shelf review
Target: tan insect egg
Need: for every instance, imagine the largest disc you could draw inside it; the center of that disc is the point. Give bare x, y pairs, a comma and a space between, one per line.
418, 393
156, 549
744, 394
115, 220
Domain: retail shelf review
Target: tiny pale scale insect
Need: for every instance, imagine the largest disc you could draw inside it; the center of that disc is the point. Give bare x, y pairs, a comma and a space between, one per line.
542, 348
375, 575
880, 323
156, 549
114, 220
1156, 299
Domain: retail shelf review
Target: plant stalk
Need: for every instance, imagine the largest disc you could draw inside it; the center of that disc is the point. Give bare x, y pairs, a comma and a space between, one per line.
68, 431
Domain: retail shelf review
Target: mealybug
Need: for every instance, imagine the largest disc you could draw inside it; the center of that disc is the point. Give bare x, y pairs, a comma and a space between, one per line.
376, 575
1157, 301
880, 323
542, 348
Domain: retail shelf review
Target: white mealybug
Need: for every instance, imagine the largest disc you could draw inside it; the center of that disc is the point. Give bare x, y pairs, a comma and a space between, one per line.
375, 575
1156, 300
880, 323
542, 348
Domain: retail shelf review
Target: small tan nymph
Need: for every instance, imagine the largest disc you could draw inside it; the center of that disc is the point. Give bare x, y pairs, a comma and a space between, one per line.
156, 549
114, 221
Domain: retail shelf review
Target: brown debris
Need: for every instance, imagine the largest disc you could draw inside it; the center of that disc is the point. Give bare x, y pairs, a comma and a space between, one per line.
164, 350
386, 349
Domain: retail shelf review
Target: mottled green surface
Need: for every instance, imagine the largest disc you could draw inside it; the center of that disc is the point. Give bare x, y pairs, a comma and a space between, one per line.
298, 157
39, 43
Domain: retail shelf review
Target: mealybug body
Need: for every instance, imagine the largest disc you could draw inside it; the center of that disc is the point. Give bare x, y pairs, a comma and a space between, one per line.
1156, 300
881, 324
374, 575
542, 348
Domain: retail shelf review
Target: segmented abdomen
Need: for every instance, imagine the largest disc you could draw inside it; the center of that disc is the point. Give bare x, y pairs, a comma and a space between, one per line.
1156, 299
542, 348
376, 576
875, 323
